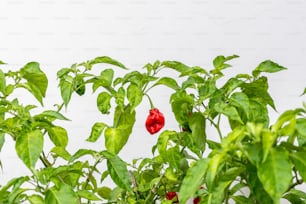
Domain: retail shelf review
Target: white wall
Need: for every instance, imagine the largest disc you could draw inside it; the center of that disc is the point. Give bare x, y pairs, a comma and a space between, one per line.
60, 33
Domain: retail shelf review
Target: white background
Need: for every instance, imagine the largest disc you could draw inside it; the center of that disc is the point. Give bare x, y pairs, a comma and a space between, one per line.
60, 33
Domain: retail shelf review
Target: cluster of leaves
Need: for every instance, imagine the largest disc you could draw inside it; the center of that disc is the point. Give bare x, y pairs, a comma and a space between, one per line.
253, 162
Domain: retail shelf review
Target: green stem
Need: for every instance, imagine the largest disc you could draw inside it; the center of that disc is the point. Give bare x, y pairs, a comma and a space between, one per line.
150, 101
217, 127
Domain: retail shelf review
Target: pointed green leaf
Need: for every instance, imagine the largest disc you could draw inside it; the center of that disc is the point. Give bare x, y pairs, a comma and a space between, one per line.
118, 170
304, 92
178, 66
134, 95
61, 152
36, 199
104, 102
192, 180
63, 195
228, 110
267, 66
115, 139
88, 195
36, 79
58, 136
219, 61
296, 196
275, 173
258, 90
167, 81
240, 101
80, 153
197, 126
66, 86
96, 131
181, 104
107, 60
29, 146
162, 143
299, 161
53, 115
117, 136
2, 82
301, 127
2, 140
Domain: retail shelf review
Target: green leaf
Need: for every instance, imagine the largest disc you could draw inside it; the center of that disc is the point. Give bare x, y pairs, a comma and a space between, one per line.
301, 127
239, 199
33, 90
258, 113
299, 161
107, 60
241, 101
58, 136
66, 86
258, 90
104, 102
257, 192
162, 143
267, 66
219, 61
134, 95
2, 82
80, 86
36, 79
36, 199
296, 196
181, 104
80, 153
207, 88
178, 66
275, 173
29, 146
1, 62
228, 110
115, 139
88, 195
53, 115
104, 192
192, 180
174, 157
61, 152
253, 152
213, 168
304, 92
197, 126
218, 193
96, 131
118, 170
2, 140
117, 136
62, 72
268, 140
167, 81
63, 195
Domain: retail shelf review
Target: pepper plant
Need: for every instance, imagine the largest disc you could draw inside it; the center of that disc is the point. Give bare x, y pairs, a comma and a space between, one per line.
225, 149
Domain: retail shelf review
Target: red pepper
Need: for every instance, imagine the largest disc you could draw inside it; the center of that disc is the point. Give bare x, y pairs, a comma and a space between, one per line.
155, 121
172, 196
196, 200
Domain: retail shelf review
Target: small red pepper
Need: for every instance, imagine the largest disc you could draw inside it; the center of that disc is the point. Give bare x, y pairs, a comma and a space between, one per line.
155, 121
196, 200
172, 196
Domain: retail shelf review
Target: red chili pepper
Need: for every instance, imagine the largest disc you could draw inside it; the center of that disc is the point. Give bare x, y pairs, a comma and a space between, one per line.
172, 196
155, 121
196, 200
